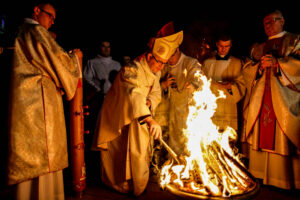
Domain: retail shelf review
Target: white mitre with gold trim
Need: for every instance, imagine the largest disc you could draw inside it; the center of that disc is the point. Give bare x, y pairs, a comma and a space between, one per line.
165, 47
166, 41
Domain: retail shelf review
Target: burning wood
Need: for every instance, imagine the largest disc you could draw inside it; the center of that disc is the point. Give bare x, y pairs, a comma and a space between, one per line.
212, 167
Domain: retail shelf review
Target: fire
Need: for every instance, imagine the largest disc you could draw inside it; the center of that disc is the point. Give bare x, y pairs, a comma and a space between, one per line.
211, 165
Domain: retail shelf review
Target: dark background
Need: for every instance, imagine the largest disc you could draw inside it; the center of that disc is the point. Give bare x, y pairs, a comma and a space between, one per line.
128, 25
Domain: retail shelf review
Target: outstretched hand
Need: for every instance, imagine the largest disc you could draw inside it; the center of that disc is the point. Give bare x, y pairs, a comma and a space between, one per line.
154, 127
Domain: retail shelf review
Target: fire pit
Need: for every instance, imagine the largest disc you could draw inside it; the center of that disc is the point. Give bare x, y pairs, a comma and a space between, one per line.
187, 195
185, 181
211, 167
191, 188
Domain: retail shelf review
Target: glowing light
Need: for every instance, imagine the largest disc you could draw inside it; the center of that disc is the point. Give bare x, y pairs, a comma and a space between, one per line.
212, 166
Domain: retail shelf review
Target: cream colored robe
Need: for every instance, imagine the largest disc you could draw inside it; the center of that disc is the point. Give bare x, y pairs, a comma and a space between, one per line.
280, 167
124, 142
226, 113
41, 71
173, 110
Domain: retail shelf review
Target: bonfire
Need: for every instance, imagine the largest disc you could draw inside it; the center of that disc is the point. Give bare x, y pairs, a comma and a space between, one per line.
211, 165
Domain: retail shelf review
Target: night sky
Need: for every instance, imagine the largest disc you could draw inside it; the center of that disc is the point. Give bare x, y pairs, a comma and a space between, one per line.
128, 25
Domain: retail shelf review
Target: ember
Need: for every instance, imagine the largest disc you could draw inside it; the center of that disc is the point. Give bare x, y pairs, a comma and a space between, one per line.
212, 165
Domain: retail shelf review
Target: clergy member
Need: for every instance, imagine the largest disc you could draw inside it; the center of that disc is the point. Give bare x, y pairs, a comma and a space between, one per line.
225, 70
271, 110
178, 82
41, 73
126, 127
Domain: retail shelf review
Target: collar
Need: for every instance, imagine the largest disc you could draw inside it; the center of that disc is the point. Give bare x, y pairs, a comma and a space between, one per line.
104, 58
218, 57
277, 35
30, 21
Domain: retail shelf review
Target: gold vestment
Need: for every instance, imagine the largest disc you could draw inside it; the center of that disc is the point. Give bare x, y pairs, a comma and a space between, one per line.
41, 72
125, 144
279, 167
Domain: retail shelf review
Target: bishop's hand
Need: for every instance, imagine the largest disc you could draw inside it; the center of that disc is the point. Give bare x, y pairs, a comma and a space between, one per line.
154, 127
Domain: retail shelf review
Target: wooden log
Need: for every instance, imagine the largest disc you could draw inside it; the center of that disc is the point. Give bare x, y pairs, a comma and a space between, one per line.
222, 169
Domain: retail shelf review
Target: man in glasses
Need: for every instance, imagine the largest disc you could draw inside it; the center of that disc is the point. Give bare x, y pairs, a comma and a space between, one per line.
178, 83
126, 127
271, 110
42, 72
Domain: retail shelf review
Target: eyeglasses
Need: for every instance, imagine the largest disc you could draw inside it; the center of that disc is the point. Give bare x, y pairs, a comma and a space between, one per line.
272, 21
49, 14
158, 61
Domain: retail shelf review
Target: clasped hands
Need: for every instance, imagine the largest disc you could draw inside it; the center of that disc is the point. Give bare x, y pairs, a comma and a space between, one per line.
268, 61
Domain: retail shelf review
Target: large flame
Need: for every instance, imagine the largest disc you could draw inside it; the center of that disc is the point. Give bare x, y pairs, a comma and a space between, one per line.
211, 166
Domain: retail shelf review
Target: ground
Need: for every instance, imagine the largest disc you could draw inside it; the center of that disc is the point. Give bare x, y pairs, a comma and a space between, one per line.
95, 190
153, 192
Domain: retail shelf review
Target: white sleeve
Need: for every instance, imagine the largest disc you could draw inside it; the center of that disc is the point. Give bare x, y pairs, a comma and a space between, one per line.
89, 75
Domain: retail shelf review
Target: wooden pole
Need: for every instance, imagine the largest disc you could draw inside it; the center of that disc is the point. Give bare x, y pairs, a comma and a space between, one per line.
77, 140
171, 152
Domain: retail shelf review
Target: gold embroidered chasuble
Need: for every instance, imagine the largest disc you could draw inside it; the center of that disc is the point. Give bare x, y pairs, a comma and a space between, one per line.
41, 73
285, 93
125, 144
